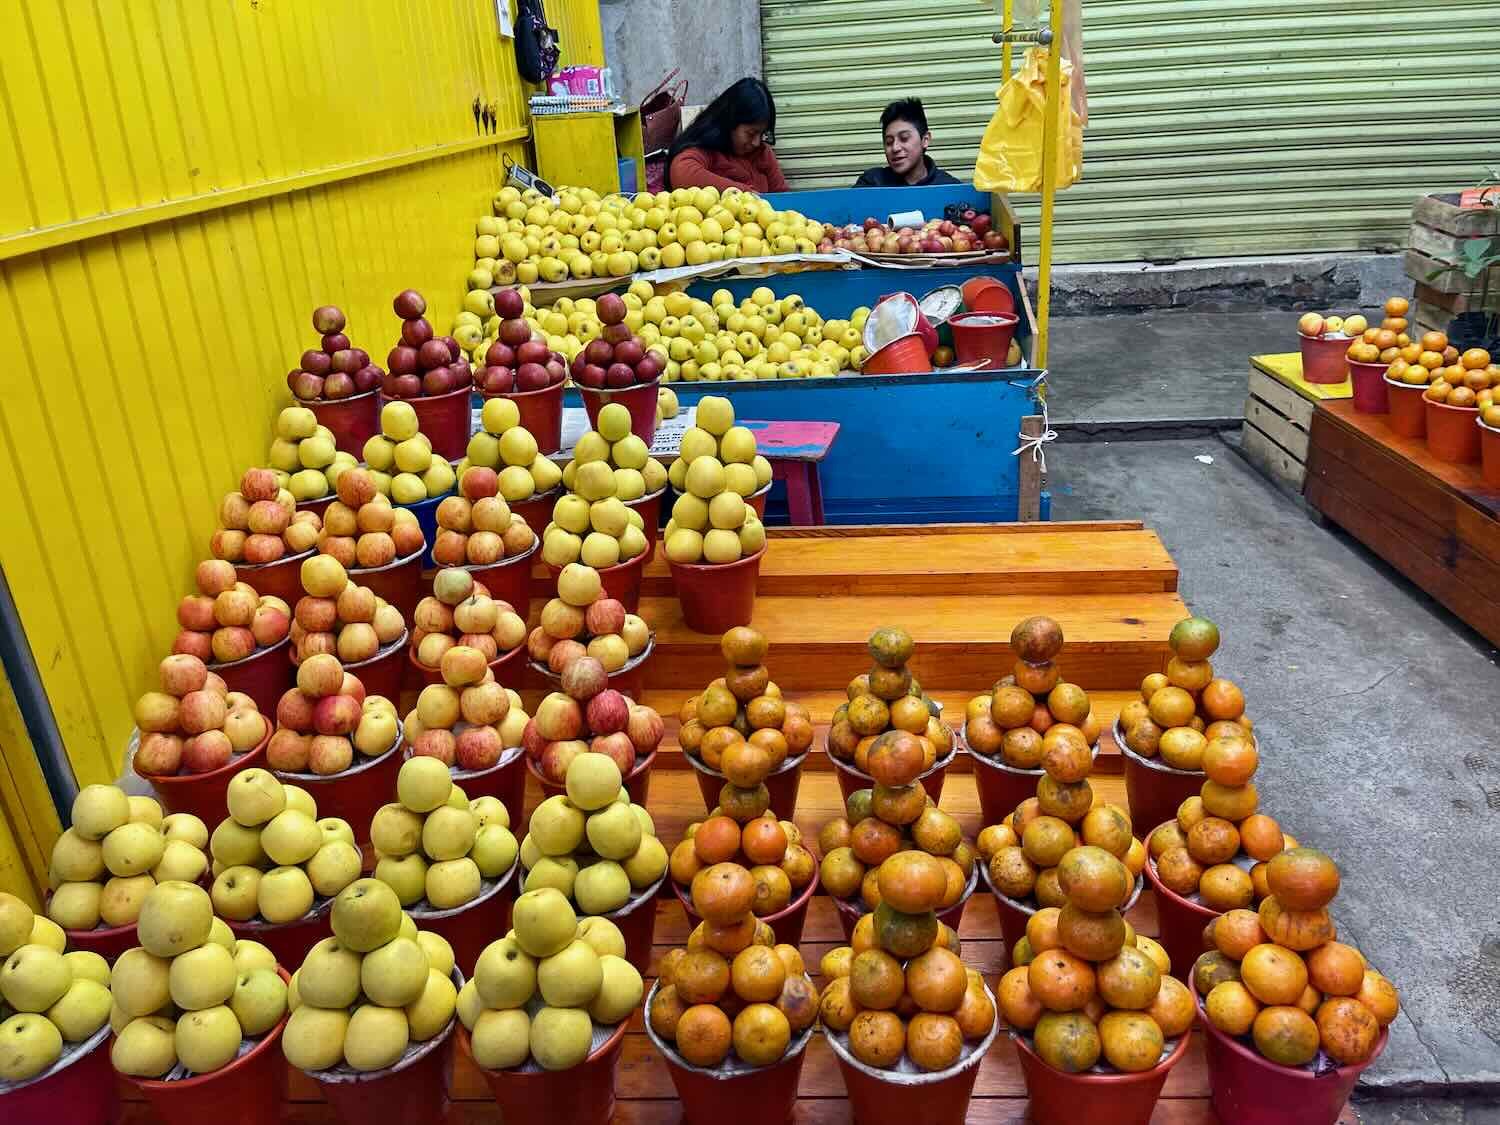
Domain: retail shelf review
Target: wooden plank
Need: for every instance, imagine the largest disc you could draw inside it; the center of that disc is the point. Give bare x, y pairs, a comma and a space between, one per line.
1029, 503
1442, 246
1286, 368
1271, 459
867, 530
1279, 428
1440, 305
1285, 400
1442, 213
1421, 267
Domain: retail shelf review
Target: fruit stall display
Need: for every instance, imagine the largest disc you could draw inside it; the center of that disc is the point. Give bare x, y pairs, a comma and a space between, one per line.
588, 619
304, 455
193, 727
326, 723
1093, 1000
597, 522
623, 862
734, 1011
116, 849
460, 612
636, 472
741, 731
589, 716
509, 450
402, 458
888, 698
963, 232
363, 529
339, 617
732, 454
477, 527
260, 523
335, 369
236, 631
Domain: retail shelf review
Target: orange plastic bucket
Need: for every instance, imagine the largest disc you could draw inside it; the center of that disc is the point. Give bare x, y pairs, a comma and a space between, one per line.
1406, 417
717, 597
1323, 358
1452, 435
979, 336
973, 289
1121, 1099
905, 355
1489, 452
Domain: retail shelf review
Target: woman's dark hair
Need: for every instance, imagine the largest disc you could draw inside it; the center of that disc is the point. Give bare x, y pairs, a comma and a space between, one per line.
747, 101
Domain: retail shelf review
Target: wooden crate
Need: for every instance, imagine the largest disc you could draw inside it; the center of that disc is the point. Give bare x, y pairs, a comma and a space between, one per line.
1278, 416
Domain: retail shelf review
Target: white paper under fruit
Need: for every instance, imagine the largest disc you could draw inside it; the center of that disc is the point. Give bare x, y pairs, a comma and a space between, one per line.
345, 1073
71, 1053
733, 1066
908, 1073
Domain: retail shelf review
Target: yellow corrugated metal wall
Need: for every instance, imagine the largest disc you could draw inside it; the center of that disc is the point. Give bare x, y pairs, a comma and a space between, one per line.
184, 183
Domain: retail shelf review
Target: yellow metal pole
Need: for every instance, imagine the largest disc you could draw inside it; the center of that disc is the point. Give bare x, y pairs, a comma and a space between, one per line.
1051, 143
1006, 15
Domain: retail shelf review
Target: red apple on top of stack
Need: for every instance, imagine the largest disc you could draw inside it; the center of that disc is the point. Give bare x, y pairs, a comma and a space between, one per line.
260, 523
460, 612
583, 620
618, 358
421, 363
194, 724
519, 360
363, 529
322, 721
588, 715
340, 617
477, 526
335, 369
468, 720
227, 620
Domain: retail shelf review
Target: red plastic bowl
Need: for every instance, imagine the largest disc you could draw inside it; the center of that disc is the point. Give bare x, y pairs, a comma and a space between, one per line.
290, 941
1181, 923
717, 597
649, 506
537, 510
640, 400
446, 419
355, 794
415, 1089
353, 420
623, 580
782, 785
1121, 1098
472, 926
505, 781
510, 579
107, 941
580, 1095
82, 1091
979, 336
383, 672
1001, 786
263, 675
541, 415
1153, 789
203, 794
1323, 358
1368, 380
281, 579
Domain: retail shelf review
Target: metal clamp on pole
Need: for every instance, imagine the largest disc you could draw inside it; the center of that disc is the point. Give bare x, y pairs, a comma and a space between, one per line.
1043, 36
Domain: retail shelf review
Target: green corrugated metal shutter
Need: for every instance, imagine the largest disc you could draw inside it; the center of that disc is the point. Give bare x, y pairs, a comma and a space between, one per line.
1217, 127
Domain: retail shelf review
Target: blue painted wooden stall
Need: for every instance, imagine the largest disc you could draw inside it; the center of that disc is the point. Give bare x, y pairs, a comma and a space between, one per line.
841, 206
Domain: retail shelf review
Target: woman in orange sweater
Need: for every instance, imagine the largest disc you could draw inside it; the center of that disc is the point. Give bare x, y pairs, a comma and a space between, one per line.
726, 147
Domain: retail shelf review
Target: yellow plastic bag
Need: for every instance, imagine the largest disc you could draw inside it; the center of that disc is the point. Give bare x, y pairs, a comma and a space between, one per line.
1010, 154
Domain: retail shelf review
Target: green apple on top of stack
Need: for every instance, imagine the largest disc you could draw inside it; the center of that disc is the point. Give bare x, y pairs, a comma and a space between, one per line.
434, 843
501, 443
189, 994
49, 997
538, 992
273, 856
303, 455
592, 845
611, 468
716, 470
636, 472
401, 449
378, 985
117, 849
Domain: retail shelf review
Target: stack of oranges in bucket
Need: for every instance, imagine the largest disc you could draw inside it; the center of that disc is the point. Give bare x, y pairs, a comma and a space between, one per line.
1278, 976
780, 867
1091, 985
1469, 381
1380, 343
1186, 707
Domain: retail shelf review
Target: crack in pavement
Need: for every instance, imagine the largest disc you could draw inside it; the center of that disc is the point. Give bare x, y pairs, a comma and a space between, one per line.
1405, 1013
1350, 694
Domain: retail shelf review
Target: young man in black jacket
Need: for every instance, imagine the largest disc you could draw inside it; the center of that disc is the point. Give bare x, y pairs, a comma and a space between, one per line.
907, 164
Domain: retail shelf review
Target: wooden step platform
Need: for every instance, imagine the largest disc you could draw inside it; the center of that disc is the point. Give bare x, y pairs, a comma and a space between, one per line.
1437, 523
642, 1084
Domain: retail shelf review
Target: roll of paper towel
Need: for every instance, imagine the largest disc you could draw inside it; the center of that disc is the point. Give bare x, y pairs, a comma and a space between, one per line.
905, 219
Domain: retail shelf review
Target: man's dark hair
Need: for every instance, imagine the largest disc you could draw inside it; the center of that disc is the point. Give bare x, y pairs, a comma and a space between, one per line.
909, 110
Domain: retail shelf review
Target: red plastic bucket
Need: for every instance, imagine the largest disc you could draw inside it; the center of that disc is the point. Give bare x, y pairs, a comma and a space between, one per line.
446, 419
756, 500
263, 675
510, 579
983, 336
248, 1091
636, 921
852, 910
1247, 1089
715, 598
1369, 386
1013, 914
640, 400
472, 926
415, 1089
905, 355
1181, 923
290, 941
383, 672
1489, 452
505, 781
399, 582
281, 579
1323, 358
623, 580
766, 1095
541, 415
107, 941
637, 782
852, 780
1001, 787
782, 785
581, 1095
787, 922
629, 680
1451, 433
81, 1092
973, 289
1406, 417
537, 510
1122, 1098
353, 420
995, 298
203, 794
1153, 789
356, 794
649, 506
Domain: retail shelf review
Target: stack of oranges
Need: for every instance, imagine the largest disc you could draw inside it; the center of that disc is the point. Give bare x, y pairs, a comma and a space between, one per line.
732, 987
1186, 707
1384, 343
900, 987
1032, 707
1471, 381
1092, 986
779, 865
887, 698
893, 818
1278, 976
